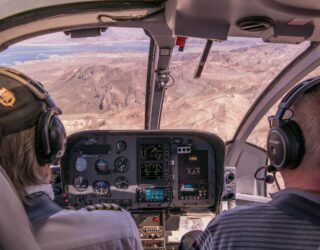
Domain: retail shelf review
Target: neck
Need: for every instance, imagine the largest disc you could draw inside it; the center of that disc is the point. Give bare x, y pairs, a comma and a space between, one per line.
301, 178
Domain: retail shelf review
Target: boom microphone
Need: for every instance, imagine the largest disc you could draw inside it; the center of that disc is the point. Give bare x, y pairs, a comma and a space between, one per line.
266, 178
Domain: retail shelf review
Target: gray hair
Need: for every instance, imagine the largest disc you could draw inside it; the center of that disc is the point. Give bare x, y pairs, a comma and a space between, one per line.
307, 114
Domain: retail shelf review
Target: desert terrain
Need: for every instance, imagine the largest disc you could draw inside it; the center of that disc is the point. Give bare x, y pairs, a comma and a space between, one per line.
99, 89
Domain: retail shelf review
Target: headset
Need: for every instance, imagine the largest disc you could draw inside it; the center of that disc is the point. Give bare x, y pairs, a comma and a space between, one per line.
50, 135
285, 142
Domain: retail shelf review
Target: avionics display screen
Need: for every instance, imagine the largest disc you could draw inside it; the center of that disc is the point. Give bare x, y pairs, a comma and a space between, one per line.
151, 152
95, 149
189, 189
151, 171
154, 194
151, 161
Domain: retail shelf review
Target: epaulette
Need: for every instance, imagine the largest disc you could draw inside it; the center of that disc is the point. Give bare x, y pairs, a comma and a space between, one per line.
103, 206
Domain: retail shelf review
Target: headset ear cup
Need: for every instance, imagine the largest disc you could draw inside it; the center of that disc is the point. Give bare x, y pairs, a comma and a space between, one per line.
297, 148
57, 138
285, 145
277, 147
50, 138
39, 141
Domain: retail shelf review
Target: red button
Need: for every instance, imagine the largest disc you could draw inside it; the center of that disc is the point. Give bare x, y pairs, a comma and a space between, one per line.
156, 218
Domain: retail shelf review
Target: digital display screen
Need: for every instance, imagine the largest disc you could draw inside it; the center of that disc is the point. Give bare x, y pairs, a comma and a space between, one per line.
152, 159
189, 187
95, 149
189, 190
154, 194
193, 158
151, 171
151, 152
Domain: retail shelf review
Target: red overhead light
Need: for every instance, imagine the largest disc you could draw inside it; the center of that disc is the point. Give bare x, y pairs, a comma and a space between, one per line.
181, 42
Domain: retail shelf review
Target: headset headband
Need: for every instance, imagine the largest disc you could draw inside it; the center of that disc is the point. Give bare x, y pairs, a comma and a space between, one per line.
294, 94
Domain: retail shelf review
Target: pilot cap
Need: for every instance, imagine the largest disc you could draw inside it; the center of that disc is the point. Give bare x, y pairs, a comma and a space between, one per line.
19, 107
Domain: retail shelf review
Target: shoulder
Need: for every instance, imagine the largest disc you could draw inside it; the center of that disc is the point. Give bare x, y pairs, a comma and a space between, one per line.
247, 210
110, 221
249, 226
239, 223
110, 229
254, 214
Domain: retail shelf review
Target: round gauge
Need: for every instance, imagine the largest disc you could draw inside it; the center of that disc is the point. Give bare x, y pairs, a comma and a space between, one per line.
81, 164
121, 164
101, 188
121, 182
121, 145
102, 166
80, 183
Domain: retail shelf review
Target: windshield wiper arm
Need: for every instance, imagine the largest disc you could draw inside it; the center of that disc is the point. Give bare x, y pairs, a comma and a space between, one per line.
203, 59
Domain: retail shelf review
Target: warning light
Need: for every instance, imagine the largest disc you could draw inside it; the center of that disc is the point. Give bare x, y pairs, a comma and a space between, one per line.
193, 158
156, 219
181, 42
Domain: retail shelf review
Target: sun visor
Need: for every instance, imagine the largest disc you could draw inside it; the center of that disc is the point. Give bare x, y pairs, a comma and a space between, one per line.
286, 33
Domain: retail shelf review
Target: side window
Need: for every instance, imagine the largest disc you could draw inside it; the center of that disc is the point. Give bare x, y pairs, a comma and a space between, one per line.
259, 134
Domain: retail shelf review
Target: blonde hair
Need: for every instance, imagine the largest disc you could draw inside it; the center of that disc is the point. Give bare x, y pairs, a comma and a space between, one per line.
307, 114
18, 159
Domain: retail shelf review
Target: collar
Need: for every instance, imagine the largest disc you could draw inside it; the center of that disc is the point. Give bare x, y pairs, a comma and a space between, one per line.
45, 188
315, 197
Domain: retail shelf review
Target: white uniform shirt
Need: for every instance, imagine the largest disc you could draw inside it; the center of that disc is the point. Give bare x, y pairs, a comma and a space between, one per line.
71, 229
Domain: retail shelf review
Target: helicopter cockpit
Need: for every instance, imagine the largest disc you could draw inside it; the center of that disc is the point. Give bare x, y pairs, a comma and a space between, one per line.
148, 141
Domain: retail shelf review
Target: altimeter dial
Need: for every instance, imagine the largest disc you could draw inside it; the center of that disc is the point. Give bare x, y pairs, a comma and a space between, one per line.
121, 164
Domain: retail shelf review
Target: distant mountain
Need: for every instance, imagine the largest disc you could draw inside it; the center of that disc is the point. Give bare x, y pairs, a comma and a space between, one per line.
98, 88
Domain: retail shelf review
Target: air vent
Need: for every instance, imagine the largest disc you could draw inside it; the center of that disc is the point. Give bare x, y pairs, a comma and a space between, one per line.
254, 24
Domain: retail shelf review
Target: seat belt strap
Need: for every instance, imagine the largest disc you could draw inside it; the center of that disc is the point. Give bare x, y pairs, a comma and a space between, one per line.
298, 207
40, 207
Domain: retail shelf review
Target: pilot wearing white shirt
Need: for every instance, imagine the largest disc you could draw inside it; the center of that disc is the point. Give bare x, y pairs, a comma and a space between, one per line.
31, 139
72, 229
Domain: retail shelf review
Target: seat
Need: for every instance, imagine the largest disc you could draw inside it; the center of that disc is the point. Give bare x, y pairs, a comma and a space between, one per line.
15, 228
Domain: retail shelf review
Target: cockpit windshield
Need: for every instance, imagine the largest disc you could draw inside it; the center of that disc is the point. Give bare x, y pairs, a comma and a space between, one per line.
100, 82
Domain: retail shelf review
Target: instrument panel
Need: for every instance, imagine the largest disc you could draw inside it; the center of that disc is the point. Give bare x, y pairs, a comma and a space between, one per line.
143, 169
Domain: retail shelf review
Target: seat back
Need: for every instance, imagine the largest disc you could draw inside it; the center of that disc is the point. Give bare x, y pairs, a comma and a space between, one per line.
15, 228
